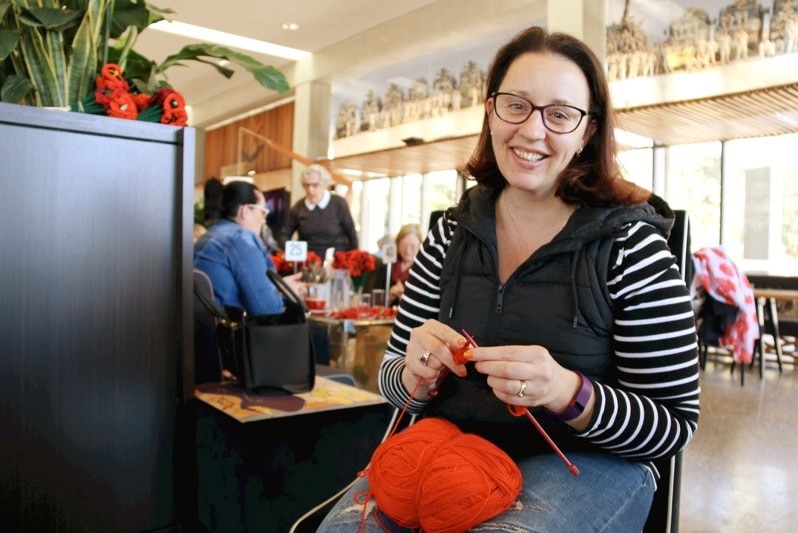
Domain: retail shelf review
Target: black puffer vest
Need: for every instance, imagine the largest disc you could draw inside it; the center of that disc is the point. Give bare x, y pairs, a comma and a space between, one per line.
557, 299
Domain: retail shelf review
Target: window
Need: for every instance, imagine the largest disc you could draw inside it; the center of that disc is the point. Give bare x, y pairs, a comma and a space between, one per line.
384, 205
636, 166
692, 183
760, 225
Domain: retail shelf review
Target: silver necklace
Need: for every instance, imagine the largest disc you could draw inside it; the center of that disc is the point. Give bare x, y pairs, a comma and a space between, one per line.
515, 224
510, 215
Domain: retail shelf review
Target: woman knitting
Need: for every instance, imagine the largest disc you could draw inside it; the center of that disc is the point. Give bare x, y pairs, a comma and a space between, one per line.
560, 270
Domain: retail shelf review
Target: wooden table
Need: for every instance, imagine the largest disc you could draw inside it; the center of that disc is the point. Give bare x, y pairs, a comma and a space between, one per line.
245, 407
776, 294
263, 461
370, 338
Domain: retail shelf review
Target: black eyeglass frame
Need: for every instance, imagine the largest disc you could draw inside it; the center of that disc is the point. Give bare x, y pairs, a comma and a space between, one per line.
542, 108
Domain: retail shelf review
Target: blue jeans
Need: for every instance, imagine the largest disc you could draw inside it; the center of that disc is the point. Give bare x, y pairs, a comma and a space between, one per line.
610, 494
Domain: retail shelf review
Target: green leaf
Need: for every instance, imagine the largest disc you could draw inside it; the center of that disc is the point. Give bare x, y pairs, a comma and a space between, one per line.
138, 69
134, 13
8, 41
54, 41
267, 76
3, 8
40, 68
15, 89
49, 18
124, 46
83, 64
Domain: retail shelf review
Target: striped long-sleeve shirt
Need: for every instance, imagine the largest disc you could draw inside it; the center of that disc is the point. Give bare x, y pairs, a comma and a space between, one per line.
652, 410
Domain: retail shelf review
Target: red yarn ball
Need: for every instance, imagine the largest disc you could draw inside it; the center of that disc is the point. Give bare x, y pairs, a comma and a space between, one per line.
398, 464
437, 478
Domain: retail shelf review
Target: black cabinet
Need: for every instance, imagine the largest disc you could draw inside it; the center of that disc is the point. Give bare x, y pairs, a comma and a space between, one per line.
264, 472
95, 319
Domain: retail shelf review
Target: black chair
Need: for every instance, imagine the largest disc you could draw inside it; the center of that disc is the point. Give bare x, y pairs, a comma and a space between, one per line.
207, 360
664, 512
207, 365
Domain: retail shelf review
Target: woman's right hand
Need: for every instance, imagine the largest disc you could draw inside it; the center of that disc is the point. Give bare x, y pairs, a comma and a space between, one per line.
429, 355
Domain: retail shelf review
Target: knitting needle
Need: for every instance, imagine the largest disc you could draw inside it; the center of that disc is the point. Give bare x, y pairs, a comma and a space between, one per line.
519, 410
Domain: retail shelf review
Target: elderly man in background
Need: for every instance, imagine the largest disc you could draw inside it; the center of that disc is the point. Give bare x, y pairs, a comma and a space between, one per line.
321, 219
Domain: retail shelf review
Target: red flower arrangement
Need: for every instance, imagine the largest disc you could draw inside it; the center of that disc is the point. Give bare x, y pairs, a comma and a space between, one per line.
357, 262
114, 99
287, 267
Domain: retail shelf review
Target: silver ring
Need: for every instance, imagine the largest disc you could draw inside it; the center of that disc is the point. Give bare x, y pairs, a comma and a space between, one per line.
424, 358
520, 392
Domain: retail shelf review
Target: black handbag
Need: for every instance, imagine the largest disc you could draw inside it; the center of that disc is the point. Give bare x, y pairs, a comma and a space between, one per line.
268, 353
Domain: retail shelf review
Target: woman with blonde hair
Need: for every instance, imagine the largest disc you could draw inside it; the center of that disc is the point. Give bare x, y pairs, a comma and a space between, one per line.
408, 241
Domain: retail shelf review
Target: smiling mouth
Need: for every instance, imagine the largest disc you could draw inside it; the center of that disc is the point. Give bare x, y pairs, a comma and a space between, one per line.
527, 156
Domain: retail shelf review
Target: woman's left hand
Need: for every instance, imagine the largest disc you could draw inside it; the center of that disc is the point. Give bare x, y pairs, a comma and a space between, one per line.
526, 375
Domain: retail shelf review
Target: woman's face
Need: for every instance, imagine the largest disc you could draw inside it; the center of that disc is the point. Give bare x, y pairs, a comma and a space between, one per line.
408, 247
530, 156
253, 216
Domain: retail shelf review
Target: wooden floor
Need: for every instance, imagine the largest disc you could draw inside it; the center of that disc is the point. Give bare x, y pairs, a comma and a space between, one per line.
740, 472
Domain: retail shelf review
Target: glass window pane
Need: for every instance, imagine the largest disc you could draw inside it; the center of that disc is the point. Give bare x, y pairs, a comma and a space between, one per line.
440, 193
374, 205
760, 222
693, 183
411, 200
637, 165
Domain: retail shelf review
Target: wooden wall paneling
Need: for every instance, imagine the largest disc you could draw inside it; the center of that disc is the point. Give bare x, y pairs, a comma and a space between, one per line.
221, 144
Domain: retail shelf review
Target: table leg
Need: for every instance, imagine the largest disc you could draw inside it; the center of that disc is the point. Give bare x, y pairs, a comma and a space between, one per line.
760, 344
774, 324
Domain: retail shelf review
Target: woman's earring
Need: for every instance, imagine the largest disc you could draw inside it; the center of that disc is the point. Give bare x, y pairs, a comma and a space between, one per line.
578, 152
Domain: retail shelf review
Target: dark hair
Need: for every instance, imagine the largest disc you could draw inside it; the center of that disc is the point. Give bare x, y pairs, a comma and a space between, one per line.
593, 177
212, 200
234, 195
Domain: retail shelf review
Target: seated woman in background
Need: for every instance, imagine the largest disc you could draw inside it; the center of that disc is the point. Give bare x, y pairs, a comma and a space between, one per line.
408, 241
234, 257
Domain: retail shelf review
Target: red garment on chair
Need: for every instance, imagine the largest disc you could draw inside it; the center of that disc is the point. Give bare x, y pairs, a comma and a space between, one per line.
717, 274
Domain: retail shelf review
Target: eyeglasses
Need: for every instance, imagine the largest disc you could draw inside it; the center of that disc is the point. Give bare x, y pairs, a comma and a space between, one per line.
557, 118
260, 208
310, 185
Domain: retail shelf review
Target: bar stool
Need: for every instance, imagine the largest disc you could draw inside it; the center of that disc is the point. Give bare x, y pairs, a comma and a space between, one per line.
768, 317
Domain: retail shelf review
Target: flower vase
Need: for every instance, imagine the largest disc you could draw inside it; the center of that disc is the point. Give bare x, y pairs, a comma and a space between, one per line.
341, 289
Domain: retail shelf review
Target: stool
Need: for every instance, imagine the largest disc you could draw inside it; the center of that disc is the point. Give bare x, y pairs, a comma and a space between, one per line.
768, 318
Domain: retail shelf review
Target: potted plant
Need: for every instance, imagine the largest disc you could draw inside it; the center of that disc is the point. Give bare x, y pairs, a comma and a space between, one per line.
51, 51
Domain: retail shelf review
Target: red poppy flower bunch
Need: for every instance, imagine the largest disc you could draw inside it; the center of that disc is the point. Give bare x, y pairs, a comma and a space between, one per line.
357, 262
114, 99
287, 267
